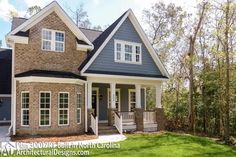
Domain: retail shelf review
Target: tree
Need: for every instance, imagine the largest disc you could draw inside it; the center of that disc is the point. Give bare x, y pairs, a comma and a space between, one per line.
33, 10
80, 16
192, 40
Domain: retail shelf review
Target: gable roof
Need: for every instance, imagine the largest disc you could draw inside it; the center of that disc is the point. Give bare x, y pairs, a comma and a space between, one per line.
104, 38
100, 40
5, 71
23, 26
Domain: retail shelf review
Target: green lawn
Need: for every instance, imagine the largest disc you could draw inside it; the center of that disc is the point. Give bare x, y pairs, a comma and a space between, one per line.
166, 145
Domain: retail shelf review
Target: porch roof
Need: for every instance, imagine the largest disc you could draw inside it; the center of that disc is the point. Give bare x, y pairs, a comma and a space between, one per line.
46, 73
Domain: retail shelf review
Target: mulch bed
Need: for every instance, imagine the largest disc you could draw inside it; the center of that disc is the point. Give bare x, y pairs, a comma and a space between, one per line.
28, 139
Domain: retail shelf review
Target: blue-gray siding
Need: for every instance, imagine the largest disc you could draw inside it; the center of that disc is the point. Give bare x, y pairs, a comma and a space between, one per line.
105, 60
5, 108
124, 98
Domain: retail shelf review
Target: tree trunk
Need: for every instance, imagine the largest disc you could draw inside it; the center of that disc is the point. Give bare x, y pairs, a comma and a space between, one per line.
226, 128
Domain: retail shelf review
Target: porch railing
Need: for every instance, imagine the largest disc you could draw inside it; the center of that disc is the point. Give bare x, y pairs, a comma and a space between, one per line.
127, 117
94, 124
149, 116
118, 122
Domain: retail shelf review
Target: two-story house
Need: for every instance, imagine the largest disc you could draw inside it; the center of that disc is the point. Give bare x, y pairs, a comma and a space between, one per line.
69, 80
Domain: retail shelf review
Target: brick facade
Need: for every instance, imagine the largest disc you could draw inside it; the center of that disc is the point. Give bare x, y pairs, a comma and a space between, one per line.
34, 90
30, 57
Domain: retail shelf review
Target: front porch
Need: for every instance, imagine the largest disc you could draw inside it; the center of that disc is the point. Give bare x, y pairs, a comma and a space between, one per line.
124, 106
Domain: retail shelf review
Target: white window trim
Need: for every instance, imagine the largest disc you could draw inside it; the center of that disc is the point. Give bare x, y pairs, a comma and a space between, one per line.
23, 109
133, 44
44, 109
53, 40
63, 109
117, 90
79, 93
131, 90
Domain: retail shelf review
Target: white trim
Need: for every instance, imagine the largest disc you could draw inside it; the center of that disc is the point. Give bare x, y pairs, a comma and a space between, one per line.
53, 40
144, 38
50, 114
23, 92
5, 95
125, 77
78, 93
108, 91
58, 109
17, 39
129, 105
49, 80
97, 104
83, 47
122, 52
145, 97
85, 107
54, 6
103, 121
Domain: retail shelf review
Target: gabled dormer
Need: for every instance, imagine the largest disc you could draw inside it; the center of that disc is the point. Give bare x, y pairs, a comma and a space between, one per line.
49, 40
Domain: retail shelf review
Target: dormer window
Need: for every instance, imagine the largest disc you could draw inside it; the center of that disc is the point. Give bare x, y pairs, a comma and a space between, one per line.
53, 40
127, 52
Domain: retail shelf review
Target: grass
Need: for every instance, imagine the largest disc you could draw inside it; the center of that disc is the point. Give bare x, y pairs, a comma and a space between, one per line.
166, 145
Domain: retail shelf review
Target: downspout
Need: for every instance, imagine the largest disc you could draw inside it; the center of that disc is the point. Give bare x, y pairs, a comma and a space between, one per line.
13, 87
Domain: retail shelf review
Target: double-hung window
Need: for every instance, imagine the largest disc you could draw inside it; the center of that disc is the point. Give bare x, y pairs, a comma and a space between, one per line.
25, 108
79, 104
127, 52
53, 40
45, 109
63, 109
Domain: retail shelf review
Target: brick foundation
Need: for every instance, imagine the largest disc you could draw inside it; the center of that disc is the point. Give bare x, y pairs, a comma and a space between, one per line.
139, 119
160, 119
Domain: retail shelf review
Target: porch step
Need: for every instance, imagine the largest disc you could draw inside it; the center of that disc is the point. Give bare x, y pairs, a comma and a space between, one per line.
104, 129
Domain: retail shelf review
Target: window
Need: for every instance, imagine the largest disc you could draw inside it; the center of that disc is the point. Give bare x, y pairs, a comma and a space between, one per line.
63, 109
127, 52
117, 98
79, 104
25, 108
45, 106
132, 100
53, 40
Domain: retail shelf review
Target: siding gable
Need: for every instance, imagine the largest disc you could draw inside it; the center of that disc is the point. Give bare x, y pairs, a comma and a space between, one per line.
105, 60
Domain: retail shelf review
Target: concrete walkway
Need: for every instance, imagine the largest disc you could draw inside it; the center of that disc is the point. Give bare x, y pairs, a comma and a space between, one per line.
3, 133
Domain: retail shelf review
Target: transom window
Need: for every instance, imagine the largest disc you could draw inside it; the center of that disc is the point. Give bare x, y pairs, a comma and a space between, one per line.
45, 107
63, 109
53, 40
25, 108
132, 99
79, 104
127, 52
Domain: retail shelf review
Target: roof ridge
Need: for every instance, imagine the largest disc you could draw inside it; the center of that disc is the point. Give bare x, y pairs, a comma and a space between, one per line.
91, 29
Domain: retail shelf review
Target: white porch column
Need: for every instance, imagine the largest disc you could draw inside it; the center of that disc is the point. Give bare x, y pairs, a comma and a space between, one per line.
113, 95
138, 95
158, 95
89, 95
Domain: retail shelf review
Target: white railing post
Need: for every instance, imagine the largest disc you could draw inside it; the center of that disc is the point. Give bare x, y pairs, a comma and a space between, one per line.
118, 123
94, 124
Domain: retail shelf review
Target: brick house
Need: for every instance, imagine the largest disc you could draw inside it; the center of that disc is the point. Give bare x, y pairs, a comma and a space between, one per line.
70, 80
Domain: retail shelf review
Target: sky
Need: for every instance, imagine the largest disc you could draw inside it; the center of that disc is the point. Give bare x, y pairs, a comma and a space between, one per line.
100, 12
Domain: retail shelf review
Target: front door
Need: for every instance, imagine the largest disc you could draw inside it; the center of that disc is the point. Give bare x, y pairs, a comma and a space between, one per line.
95, 101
